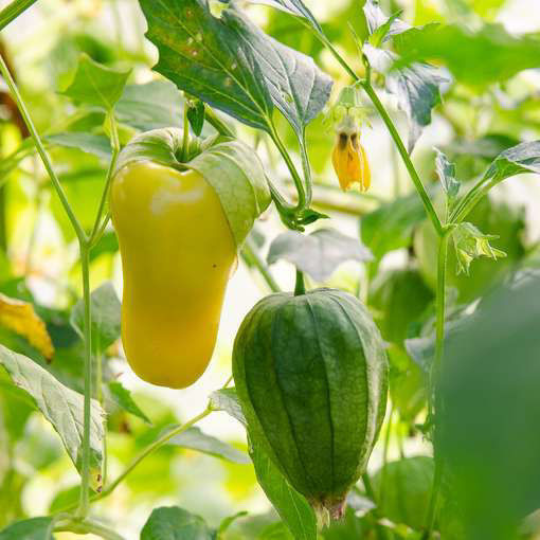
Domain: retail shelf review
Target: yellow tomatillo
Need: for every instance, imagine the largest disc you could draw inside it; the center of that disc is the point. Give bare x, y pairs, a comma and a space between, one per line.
179, 227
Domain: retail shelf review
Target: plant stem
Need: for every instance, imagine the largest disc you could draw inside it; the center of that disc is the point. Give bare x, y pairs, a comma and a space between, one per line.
432, 509
77, 227
366, 85
250, 251
302, 201
86, 526
84, 502
185, 133
300, 287
215, 121
470, 200
428, 205
13, 10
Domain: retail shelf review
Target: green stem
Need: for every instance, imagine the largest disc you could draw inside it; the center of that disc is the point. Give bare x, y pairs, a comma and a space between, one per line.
77, 227
185, 133
386, 448
84, 502
13, 10
428, 205
100, 231
302, 201
300, 286
470, 200
252, 254
432, 509
86, 526
148, 450
213, 119
307, 171
366, 85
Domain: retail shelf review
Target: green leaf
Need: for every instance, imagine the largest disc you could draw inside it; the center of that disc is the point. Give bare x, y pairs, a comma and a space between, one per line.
446, 172
30, 529
417, 88
481, 57
318, 254
228, 521
106, 316
195, 439
294, 7
407, 490
290, 505
470, 243
381, 28
234, 66
61, 406
523, 158
153, 105
226, 400
195, 116
122, 397
97, 85
86, 142
174, 523
391, 226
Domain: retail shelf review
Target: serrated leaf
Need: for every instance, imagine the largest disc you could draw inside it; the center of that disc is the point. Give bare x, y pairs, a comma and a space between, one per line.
523, 158
417, 88
61, 406
391, 226
293, 508
318, 254
152, 105
381, 27
122, 397
226, 400
234, 66
470, 243
174, 523
106, 316
40, 528
195, 439
20, 317
97, 85
446, 172
98, 145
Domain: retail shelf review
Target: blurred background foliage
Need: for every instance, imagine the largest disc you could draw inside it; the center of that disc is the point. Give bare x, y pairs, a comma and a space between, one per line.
490, 48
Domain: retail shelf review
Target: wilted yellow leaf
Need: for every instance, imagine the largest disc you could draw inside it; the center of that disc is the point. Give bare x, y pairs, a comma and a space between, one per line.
21, 318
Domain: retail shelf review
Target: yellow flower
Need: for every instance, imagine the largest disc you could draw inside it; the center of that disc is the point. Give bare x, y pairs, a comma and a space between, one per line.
350, 160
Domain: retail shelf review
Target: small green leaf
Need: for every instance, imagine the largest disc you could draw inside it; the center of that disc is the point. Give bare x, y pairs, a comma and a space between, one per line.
61, 406
106, 316
86, 142
290, 505
195, 439
470, 243
523, 158
228, 521
196, 116
122, 397
174, 523
97, 85
226, 400
318, 254
446, 172
30, 529
380, 27
294, 7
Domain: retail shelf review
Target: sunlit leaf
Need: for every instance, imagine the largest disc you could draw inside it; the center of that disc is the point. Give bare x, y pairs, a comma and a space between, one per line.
195, 439
226, 400
61, 406
318, 254
21, 318
523, 158
294, 7
97, 85
175, 523
106, 316
86, 142
446, 172
122, 397
290, 505
30, 529
381, 28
